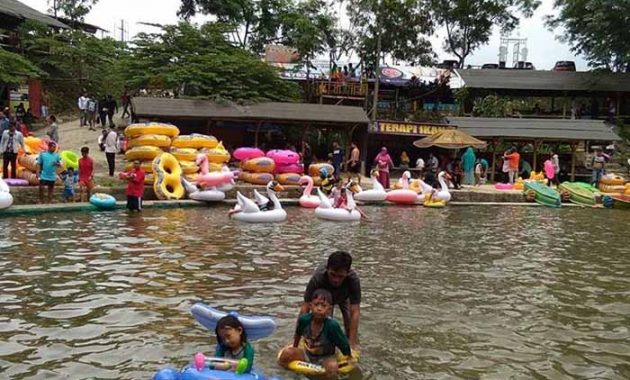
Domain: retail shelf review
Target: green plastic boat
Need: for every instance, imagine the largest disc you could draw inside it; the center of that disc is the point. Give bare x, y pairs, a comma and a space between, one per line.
543, 194
578, 193
586, 186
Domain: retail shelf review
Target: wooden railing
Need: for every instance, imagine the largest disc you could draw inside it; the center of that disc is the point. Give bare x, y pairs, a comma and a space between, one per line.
347, 88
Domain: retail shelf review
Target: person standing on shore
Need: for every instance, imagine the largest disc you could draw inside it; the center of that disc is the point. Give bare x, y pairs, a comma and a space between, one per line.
468, 162
10, 144
48, 162
383, 163
53, 130
337, 159
92, 108
111, 148
82, 104
555, 161
135, 187
126, 102
597, 165
112, 108
86, 174
513, 158
102, 111
354, 163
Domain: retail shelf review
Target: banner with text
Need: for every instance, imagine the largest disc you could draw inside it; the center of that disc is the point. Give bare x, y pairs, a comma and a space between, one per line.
409, 129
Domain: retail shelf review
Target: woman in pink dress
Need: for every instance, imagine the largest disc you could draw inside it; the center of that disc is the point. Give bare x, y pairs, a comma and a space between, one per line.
383, 163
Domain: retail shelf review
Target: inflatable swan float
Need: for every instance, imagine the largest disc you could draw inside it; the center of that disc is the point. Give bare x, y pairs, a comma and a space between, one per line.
376, 194
210, 195
6, 199
404, 195
327, 212
425, 191
441, 197
247, 210
307, 200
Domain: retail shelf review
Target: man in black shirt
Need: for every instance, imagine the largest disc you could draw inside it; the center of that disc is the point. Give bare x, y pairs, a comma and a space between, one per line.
343, 283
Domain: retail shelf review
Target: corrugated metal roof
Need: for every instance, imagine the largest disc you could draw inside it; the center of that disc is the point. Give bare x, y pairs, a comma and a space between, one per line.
545, 80
19, 10
205, 109
548, 129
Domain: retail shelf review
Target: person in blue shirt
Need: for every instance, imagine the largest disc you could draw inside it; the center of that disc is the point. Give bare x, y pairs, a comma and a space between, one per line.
4, 123
69, 178
48, 163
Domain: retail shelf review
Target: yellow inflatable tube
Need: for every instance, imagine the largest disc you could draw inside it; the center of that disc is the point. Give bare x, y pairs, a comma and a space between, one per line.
143, 153
185, 154
195, 141
345, 364
151, 140
168, 177
135, 130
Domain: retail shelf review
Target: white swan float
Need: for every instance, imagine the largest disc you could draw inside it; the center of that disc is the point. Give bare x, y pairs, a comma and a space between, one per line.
425, 191
404, 195
247, 210
209, 195
327, 212
6, 199
376, 194
307, 200
443, 194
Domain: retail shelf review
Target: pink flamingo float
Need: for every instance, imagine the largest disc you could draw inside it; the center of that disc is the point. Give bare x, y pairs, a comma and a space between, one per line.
212, 179
307, 200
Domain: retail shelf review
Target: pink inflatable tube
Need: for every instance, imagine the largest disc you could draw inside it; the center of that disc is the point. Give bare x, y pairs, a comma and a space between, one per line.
246, 153
283, 157
503, 186
402, 196
290, 168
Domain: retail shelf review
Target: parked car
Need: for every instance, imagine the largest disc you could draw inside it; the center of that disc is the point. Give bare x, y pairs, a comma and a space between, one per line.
564, 66
490, 66
522, 65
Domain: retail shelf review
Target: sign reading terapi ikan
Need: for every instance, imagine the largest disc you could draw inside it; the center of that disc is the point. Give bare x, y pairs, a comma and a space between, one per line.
411, 129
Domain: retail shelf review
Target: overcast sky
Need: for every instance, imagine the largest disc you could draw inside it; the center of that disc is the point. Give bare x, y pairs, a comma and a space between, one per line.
543, 47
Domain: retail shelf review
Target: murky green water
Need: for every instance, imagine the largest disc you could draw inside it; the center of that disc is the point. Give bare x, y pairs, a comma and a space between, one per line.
462, 292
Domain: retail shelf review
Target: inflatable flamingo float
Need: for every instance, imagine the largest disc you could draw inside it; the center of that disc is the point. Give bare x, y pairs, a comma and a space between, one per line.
212, 179
404, 195
307, 200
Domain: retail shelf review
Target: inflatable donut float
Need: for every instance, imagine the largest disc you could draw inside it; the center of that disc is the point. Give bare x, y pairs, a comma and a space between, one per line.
195, 141
160, 141
139, 129
167, 177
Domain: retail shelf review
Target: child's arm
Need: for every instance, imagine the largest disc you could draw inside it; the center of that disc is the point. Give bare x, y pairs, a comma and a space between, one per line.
303, 321
338, 338
249, 355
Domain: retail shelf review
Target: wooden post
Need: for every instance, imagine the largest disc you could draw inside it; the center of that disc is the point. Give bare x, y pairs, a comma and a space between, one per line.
574, 146
494, 159
256, 135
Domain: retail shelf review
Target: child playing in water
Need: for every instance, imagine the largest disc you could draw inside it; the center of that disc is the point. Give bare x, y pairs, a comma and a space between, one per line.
322, 335
69, 179
232, 343
328, 181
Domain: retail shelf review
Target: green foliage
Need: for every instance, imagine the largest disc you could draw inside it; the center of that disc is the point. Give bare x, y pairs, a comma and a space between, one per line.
14, 68
402, 25
469, 23
253, 23
493, 106
75, 10
200, 62
73, 61
596, 29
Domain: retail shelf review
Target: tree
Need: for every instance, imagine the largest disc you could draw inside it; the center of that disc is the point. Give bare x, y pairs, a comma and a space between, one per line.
14, 68
596, 29
254, 23
75, 10
402, 25
469, 23
201, 62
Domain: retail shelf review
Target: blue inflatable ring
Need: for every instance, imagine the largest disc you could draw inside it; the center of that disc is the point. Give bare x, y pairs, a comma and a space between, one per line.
103, 201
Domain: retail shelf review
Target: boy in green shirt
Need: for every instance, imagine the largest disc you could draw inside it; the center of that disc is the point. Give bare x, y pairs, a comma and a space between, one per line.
321, 334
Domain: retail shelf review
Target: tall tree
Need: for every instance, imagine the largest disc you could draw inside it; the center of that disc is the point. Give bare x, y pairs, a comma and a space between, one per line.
597, 29
402, 24
254, 23
468, 23
75, 10
14, 68
201, 62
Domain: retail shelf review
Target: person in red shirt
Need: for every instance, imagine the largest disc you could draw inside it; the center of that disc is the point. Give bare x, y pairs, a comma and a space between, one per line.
86, 174
135, 187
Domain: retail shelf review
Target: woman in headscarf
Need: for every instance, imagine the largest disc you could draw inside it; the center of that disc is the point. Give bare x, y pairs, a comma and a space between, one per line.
468, 164
383, 163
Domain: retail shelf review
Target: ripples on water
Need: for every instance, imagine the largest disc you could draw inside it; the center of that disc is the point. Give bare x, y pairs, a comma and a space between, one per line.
463, 292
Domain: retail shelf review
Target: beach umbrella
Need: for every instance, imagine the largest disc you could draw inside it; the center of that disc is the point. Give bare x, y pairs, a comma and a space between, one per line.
450, 139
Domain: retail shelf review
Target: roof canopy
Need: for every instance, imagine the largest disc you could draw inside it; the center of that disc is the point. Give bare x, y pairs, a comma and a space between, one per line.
450, 139
547, 81
14, 8
530, 129
269, 112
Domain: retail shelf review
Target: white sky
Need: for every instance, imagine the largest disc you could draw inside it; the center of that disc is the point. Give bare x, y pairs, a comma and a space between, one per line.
544, 49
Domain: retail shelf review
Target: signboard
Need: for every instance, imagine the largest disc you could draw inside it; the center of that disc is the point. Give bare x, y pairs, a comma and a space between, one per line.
409, 129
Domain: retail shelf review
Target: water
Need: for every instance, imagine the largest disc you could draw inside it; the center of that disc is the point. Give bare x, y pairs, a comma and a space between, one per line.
456, 293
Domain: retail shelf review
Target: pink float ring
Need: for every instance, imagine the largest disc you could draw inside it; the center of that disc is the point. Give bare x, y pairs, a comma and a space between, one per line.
290, 168
284, 157
503, 186
247, 153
